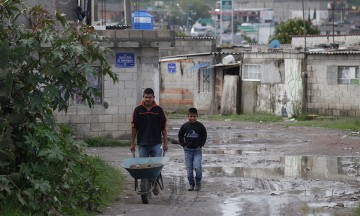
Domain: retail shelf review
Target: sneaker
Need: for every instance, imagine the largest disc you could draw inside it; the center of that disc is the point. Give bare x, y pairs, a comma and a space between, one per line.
198, 187
156, 189
191, 188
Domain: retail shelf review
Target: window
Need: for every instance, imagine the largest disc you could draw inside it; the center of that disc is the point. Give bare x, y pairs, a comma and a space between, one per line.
206, 79
252, 72
348, 74
94, 81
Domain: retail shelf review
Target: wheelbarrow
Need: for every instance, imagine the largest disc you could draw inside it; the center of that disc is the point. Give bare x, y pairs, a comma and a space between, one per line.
148, 170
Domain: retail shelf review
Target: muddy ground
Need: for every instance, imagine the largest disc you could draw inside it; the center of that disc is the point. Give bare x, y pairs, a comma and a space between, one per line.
253, 169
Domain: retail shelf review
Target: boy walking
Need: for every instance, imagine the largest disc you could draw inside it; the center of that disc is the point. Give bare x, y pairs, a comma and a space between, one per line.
192, 137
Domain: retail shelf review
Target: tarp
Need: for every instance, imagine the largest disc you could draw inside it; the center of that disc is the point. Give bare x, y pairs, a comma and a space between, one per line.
199, 66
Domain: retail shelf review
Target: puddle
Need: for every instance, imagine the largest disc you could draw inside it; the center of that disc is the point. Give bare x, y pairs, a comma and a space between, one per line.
230, 207
232, 152
306, 167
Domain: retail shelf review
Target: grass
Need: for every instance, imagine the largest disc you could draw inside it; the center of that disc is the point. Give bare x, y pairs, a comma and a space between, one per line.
260, 117
106, 142
341, 123
176, 115
109, 179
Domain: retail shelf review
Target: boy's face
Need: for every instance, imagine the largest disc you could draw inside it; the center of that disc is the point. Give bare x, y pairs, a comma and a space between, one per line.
192, 117
148, 99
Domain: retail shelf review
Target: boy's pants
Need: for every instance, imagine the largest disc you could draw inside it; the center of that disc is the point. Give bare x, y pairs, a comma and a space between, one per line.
193, 158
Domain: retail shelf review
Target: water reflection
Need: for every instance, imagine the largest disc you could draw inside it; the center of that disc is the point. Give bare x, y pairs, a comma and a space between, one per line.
307, 167
232, 152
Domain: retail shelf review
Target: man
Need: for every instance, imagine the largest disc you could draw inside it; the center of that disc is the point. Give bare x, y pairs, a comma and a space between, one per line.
148, 123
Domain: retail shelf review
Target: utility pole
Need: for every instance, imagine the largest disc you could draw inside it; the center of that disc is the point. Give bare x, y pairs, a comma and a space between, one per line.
232, 22
221, 22
127, 12
333, 19
304, 23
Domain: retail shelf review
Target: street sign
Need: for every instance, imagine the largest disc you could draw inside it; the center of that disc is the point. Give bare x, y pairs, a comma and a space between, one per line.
125, 60
226, 4
171, 67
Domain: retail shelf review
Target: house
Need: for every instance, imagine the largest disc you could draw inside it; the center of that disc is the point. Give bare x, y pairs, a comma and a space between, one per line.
322, 80
252, 82
134, 58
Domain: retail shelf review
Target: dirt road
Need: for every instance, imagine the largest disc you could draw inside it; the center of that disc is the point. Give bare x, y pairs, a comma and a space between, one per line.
253, 169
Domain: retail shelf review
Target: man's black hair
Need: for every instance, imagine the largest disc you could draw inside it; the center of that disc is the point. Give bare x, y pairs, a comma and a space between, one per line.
148, 91
193, 110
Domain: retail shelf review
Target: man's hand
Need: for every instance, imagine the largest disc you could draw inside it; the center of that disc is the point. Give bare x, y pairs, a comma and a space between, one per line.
165, 146
132, 147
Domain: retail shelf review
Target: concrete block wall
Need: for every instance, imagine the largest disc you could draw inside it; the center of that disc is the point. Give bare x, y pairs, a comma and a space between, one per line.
324, 95
190, 45
280, 89
343, 40
113, 117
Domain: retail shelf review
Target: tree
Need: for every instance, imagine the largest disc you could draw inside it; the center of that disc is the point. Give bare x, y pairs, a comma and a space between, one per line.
42, 168
188, 11
284, 30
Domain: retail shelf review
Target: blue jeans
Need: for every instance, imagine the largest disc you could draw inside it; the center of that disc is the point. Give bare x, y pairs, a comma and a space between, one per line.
150, 151
193, 158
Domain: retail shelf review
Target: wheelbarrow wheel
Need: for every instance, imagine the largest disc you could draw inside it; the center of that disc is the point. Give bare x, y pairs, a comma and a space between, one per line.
145, 198
145, 186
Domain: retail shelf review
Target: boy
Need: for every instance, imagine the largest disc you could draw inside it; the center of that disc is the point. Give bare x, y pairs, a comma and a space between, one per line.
192, 137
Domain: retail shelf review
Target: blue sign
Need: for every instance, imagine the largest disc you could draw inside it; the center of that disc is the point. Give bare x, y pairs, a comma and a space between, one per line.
171, 67
125, 60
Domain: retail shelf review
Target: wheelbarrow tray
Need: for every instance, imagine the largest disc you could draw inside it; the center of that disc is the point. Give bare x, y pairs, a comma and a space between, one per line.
150, 172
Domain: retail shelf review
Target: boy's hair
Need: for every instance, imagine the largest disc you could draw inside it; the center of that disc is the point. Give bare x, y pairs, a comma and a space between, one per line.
148, 91
193, 110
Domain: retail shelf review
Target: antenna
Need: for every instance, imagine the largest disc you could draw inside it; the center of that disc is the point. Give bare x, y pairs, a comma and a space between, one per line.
274, 44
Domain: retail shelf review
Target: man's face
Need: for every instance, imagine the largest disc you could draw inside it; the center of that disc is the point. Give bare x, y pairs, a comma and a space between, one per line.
192, 117
148, 99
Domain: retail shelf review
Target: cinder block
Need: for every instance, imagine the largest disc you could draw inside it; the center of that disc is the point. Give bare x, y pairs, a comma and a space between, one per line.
112, 110
128, 44
81, 110
98, 109
160, 44
105, 118
136, 34
111, 93
107, 44
335, 113
150, 34
111, 126
83, 128
124, 34
97, 126
163, 34
77, 119
91, 118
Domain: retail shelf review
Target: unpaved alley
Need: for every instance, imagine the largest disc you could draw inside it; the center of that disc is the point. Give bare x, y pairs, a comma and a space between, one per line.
253, 169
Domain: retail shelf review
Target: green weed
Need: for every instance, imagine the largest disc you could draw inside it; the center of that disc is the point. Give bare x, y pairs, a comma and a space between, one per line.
106, 142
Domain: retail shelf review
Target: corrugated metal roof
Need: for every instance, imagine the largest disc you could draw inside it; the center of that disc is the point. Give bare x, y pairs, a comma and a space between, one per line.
325, 35
333, 52
182, 56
